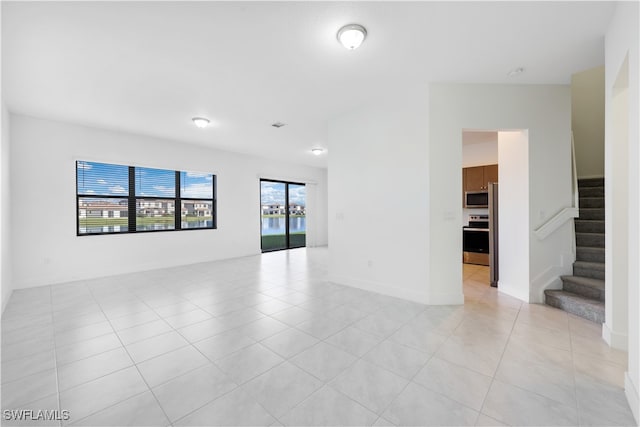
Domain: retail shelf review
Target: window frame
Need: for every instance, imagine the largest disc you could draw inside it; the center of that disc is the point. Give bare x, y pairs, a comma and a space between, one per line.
132, 199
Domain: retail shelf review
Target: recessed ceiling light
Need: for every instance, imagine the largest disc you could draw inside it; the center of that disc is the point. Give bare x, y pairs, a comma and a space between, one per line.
317, 151
515, 72
351, 36
200, 122
278, 124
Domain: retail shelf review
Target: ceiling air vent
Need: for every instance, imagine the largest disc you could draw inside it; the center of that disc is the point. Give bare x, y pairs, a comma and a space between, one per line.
278, 124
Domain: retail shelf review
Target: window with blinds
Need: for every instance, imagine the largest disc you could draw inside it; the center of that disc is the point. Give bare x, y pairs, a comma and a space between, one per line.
113, 199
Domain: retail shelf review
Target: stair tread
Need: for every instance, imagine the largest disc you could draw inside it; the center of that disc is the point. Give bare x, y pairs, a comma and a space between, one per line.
575, 298
590, 264
591, 182
589, 225
589, 232
591, 254
585, 281
591, 248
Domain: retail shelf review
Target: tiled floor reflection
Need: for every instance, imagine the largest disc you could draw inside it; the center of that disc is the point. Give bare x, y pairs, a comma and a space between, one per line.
266, 340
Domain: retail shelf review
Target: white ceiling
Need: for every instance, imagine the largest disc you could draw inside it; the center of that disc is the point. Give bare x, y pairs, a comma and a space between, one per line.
479, 137
149, 67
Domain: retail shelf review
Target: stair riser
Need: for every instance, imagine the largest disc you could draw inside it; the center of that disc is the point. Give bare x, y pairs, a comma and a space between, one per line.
589, 255
589, 226
591, 192
588, 272
585, 291
591, 182
592, 213
591, 240
591, 202
594, 316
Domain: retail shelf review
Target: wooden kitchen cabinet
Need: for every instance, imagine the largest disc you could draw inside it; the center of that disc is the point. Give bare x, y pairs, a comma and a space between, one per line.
477, 178
490, 175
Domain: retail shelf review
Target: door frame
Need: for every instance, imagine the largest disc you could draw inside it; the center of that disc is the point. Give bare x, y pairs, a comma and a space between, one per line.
286, 213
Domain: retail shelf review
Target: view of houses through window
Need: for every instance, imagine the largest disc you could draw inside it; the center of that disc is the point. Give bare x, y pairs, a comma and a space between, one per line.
283, 221
107, 194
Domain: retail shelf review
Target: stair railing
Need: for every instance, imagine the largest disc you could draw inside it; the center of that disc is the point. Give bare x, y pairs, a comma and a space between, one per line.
566, 214
574, 175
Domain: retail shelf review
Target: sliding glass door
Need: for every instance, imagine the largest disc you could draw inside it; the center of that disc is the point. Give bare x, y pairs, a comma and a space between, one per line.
283, 215
297, 215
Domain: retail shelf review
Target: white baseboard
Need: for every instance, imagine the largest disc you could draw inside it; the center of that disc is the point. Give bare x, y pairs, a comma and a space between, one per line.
614, 339
449, 298
398, 292
513, 291
5, 300
550, 278
632, 397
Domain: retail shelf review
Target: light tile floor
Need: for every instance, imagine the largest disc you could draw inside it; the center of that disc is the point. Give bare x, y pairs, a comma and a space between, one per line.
266, 340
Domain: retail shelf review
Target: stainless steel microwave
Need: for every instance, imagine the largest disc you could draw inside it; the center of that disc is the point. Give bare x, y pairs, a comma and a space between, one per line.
476, 199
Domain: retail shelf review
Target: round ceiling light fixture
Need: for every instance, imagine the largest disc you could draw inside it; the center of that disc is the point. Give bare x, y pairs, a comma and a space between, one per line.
200, 122
351, 36
317, 151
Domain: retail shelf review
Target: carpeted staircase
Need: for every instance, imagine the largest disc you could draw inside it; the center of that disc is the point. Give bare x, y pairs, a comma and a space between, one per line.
583, 293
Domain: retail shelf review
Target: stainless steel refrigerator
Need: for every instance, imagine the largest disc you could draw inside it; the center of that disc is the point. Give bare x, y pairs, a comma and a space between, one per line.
493, 234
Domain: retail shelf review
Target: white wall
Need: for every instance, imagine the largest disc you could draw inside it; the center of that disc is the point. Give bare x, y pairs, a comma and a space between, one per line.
389, 157
513, 200
543, 110
621, 42
587, 121
378, 197
45, 247
615, 328
483, 153
5, 215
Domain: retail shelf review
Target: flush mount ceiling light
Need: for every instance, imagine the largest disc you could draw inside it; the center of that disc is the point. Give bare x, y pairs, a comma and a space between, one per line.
351, 36
515, 72
317, 151
200, 122
278, 124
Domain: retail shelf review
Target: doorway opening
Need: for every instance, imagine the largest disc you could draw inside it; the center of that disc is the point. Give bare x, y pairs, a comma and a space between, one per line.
479, 172
283, 219
495, 172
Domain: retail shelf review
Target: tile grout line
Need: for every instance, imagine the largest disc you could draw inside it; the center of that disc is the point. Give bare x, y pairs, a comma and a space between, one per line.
198, 350
285, 360
479, 299
238, 385
326, 383
209, 361
573, 371
134, 364
493, 377
412, 377
357, 359
525, 389
411, 381
55, 356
